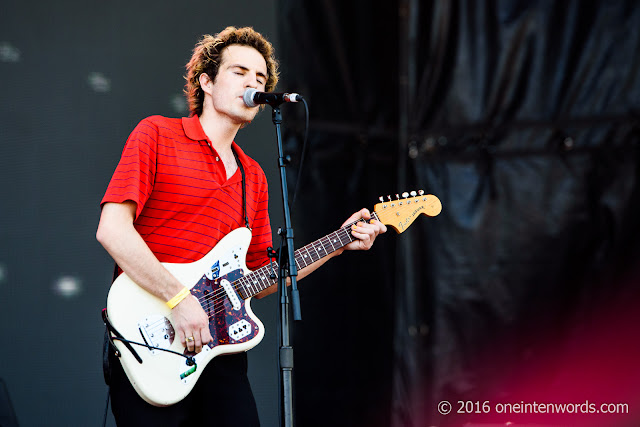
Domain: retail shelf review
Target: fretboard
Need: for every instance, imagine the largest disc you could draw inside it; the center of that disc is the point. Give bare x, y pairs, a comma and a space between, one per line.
265, 277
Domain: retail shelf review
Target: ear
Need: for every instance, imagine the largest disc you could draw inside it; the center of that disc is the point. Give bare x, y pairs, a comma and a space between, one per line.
205, 81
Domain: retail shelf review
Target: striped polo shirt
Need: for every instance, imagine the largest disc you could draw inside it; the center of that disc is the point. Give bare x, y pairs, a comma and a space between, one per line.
185, 204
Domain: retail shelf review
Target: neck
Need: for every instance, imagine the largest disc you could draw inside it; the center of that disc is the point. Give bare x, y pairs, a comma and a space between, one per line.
220, 132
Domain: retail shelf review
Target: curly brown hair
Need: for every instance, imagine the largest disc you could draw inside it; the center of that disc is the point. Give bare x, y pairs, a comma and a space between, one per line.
207, 55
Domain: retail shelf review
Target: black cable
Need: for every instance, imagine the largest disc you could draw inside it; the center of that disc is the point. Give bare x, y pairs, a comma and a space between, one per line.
302, 155
106, 408
190, 359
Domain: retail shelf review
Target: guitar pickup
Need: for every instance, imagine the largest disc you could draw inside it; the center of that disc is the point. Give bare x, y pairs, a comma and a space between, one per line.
233, 297
239, 330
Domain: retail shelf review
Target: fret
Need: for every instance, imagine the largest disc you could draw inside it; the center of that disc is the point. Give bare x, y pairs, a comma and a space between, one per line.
345, 236
332, 239
254, 282
316, 250
321, 248
258, 280
255, 278
306, 255
266, 273
300, 261
263, 280
349, 236
267, 279
326, 245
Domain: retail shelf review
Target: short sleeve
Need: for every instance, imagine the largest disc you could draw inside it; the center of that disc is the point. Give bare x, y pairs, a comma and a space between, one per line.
134, 176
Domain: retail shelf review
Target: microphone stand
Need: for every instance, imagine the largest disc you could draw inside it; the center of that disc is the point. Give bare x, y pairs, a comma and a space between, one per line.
287, 269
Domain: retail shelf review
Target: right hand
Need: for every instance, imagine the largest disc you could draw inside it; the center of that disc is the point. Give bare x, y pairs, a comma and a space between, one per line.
190, 320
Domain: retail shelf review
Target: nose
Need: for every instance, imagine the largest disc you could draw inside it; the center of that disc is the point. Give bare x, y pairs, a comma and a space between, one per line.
252, 81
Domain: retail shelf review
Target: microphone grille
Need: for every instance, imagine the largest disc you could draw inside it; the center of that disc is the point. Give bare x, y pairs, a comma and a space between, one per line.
248, 97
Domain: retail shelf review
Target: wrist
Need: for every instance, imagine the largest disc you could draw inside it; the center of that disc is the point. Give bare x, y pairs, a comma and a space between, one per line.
185, 292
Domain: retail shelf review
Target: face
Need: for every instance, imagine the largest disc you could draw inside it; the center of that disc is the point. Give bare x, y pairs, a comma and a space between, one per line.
241, 67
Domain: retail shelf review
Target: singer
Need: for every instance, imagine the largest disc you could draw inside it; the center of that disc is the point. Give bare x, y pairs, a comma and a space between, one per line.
178, 190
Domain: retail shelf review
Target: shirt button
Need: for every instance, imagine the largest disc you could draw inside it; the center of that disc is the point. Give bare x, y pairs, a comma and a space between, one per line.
217, 159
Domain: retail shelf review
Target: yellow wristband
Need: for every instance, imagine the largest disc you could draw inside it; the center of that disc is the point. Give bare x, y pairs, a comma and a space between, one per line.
179, 297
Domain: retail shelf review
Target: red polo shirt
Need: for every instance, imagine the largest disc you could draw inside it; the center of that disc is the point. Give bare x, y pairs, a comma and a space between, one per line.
185, 204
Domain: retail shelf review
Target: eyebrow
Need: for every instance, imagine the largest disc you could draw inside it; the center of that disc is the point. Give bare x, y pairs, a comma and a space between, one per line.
242, 67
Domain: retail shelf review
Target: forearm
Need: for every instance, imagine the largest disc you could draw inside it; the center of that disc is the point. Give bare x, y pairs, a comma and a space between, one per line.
125, 245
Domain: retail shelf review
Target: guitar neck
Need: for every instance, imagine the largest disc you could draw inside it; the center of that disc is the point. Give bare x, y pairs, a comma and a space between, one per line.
266, 276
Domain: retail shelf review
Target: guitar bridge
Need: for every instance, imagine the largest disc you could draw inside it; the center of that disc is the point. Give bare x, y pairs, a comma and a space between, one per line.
156, 331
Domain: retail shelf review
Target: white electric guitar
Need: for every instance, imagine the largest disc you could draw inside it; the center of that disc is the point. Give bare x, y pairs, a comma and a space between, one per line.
162, 370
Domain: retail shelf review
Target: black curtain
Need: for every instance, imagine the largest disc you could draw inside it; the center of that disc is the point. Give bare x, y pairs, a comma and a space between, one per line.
344, 344
523, 118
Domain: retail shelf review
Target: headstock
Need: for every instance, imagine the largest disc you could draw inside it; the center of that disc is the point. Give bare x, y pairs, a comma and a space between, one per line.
400, 213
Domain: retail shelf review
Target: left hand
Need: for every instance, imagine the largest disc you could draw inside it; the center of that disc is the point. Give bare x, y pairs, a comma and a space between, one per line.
365, 232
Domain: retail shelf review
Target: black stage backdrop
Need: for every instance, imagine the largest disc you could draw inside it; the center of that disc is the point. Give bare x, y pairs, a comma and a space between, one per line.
522, 117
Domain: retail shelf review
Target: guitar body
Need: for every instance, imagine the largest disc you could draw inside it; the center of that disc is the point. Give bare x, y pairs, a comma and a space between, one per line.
164, 378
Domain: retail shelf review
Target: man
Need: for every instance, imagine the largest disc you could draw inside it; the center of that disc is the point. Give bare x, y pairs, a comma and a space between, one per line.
177, 190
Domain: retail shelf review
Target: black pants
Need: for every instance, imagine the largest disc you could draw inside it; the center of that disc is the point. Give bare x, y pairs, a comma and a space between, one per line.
222, 397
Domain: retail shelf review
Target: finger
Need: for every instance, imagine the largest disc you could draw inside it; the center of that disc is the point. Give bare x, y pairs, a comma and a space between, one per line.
198, 342
377, 226
365, 227
206, 335
190, 341
362, 233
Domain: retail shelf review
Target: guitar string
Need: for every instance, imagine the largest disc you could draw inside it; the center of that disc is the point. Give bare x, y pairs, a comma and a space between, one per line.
257, 276
341, 233
220, 294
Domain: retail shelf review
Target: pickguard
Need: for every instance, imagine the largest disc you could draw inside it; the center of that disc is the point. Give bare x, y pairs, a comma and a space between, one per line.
227, 325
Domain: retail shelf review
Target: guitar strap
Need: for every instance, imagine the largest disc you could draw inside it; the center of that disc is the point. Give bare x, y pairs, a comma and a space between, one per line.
244, 190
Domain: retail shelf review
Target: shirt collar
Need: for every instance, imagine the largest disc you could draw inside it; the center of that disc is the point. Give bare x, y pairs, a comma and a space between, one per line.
193, 130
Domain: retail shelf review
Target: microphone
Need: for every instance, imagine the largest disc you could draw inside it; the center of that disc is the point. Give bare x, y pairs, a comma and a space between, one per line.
252, 98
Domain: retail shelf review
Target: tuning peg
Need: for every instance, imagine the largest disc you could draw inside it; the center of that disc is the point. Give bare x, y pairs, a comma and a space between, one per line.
389, 197
381, 199
413, 194
397, 196
405, 195
421, 192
